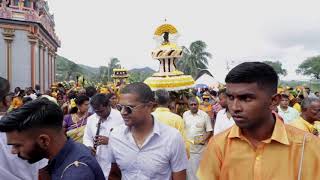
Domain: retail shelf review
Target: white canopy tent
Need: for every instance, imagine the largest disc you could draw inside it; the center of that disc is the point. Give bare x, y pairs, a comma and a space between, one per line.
207, 80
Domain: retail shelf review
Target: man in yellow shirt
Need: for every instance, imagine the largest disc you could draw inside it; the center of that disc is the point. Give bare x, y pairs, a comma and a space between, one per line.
309, 115
259, 146
163, 114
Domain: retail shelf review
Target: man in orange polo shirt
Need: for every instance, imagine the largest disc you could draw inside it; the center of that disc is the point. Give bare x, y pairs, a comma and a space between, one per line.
259, 145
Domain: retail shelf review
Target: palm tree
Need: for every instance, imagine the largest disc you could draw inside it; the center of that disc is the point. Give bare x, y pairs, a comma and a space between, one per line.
113, 64
194, 58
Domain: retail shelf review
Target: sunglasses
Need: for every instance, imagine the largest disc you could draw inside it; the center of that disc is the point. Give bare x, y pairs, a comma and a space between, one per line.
128, 109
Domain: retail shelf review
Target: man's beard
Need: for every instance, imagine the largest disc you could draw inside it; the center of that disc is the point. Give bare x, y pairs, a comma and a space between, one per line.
35, 155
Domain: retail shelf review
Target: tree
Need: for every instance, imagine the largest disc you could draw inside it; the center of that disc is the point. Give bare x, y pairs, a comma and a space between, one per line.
113, 64
277, 66
135, 77
138, 76
194, 59
101, 76
67, 70
310, 67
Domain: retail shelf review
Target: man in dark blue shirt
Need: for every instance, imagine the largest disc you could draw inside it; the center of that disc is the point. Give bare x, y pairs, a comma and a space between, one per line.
74, 161
35, 132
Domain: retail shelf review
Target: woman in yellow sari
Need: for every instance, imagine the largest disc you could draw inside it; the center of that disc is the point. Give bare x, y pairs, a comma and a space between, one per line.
75, 122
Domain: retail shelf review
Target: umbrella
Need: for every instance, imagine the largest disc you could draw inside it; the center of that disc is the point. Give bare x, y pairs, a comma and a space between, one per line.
201, 86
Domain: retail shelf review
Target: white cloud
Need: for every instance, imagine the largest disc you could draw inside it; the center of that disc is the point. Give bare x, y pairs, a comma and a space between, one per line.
94, 31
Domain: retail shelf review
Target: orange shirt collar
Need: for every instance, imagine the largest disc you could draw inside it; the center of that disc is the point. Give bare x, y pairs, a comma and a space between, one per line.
279, 133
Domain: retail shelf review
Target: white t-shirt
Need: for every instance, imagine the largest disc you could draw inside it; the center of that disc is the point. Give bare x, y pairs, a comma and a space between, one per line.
222, 122
288, 115
32, 96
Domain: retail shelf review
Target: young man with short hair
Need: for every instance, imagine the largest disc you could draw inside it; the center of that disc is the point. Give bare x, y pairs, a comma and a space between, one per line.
11, 166
164, 115
287, 113
35, 132
98, 129
259, 145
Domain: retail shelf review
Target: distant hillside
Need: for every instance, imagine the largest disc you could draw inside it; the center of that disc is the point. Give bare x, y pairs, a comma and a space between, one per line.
68, 70
144, 70
140, 74
93, 70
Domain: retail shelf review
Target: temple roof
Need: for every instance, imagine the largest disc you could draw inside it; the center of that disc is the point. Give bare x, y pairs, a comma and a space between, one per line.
36, 11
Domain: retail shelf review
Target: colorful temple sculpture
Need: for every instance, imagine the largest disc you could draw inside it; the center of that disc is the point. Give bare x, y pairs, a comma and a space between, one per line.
28, 44
120, 76
168, 53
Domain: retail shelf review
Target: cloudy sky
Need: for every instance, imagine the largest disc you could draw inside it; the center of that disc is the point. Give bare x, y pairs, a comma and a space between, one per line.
235, 31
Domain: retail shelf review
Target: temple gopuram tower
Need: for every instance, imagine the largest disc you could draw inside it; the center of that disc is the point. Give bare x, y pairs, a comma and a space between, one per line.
28, 43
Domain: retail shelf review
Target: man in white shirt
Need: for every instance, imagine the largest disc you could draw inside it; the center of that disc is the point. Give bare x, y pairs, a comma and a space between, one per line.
12, 167
30, 93
224, 119
145, 148
309, 94
106, 119
198, 130
287, 113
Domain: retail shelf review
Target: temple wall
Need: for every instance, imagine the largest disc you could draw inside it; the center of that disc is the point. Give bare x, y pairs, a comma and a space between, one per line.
46, 69
21, 60
3, 61
21, 52
37, 64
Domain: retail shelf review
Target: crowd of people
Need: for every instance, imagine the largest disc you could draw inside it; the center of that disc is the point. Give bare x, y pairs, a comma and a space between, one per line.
249, 129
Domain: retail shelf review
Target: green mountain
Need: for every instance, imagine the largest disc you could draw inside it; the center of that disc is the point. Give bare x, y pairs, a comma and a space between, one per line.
140, 74
68, 70
93, 70
144, 70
